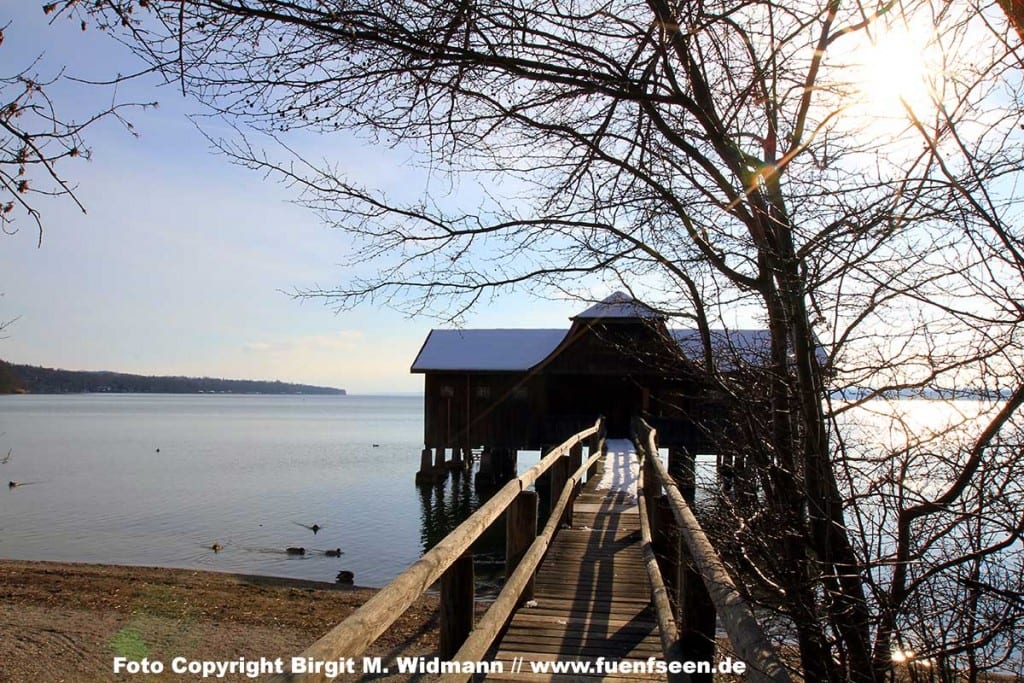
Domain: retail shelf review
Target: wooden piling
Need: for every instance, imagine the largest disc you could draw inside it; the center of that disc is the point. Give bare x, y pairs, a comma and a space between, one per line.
428, 474
457, 596
520, 532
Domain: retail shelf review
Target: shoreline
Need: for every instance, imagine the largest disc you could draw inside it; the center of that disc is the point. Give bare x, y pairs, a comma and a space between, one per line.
65, 621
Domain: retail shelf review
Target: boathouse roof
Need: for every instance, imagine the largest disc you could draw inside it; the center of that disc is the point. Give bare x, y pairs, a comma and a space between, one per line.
622, 306
517, 350
486, 350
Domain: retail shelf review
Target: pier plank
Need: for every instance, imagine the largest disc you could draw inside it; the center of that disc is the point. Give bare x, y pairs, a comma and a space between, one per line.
592, 597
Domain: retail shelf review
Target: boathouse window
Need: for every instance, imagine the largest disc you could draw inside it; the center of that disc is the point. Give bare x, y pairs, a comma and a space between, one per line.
483, 391
447, 391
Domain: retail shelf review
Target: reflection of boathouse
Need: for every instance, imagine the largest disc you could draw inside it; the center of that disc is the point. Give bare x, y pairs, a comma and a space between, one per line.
512, 389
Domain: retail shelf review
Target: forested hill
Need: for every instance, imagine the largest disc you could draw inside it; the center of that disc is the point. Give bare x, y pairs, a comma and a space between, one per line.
35, 380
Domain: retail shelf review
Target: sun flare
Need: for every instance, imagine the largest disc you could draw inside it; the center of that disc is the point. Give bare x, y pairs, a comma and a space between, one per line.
892, 74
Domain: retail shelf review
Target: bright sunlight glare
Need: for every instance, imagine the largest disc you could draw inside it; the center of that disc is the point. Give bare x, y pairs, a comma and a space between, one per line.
890, 71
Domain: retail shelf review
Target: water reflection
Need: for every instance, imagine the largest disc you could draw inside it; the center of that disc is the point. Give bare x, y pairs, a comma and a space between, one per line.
445, 505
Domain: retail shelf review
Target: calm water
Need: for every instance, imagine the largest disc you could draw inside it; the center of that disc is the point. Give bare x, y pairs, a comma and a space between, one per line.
248, 472
242, 471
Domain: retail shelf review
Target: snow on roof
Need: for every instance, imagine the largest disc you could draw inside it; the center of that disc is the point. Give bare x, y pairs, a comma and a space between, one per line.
516, 350
492, 350
732, 347
619, 305
748, 346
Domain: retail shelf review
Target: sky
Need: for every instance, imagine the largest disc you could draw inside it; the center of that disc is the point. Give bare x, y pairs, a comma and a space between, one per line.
183, 261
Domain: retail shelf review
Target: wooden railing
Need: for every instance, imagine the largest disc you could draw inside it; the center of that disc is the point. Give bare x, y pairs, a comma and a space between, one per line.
698, 584
451, 562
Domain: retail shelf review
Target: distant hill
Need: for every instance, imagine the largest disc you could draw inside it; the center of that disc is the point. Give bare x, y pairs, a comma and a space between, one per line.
30, 379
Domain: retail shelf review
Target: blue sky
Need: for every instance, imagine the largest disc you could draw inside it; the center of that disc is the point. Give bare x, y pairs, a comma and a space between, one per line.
179, 265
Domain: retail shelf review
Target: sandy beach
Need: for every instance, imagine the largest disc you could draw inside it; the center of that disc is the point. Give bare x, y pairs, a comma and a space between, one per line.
67, 622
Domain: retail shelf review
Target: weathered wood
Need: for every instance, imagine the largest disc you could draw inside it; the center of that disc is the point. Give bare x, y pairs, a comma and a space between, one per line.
457, 596
660, 595
576, 456
480, 640
698, 619
559, 473
520, 532
745, 634
682, 466
351, 637
667, 546
592, 598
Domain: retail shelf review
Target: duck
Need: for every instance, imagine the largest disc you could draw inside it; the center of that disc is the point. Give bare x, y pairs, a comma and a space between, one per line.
216, 547
333, 553
345, 576
13, 484
295, 551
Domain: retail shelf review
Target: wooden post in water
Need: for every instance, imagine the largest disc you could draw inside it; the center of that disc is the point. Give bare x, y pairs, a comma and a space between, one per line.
428, 473
457, 598
520, 532
485, 473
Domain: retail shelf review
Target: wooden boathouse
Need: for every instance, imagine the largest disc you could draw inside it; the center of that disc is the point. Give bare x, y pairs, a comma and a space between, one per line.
503, 390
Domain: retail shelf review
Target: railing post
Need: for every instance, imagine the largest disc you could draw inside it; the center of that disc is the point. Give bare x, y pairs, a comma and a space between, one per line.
697, 622
543, 484
559, 476
652, 489
575, 457
520, 531
667, 542
682, 467
457, 603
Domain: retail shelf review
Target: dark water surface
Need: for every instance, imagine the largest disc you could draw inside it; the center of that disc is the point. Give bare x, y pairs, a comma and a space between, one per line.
245, 472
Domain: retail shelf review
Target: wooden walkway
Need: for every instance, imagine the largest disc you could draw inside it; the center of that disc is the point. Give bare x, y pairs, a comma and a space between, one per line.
592, 595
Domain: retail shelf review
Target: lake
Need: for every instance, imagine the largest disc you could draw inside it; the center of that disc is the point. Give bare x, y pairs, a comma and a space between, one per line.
142, 479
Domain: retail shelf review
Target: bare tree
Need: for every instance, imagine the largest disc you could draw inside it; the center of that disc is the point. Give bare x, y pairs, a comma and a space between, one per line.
35, 138
711, 151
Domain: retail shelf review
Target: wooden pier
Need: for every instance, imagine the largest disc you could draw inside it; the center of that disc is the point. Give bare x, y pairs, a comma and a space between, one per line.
591, 595
611, 577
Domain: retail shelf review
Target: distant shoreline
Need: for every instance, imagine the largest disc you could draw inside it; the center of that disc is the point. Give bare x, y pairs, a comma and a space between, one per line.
32, 379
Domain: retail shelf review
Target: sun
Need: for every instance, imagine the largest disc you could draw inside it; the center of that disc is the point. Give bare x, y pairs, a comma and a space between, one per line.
892, 74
